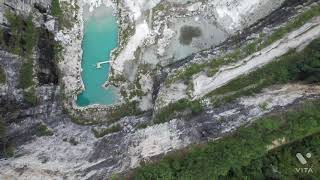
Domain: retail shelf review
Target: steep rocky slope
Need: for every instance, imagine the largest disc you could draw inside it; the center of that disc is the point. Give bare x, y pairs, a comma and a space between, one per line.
47, 144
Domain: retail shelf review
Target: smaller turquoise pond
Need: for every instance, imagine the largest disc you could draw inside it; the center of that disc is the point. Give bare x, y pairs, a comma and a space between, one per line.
100, 38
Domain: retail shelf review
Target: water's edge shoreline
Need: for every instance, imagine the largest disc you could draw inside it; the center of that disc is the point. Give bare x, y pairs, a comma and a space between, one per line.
72, 80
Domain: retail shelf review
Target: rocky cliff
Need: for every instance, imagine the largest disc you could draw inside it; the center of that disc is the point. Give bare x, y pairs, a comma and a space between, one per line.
43, 142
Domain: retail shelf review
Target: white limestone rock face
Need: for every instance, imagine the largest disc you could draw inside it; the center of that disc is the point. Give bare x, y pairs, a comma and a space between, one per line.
54, 158
202, 84
156, 140
304, 35
146, 83
234, 15
174, 93
280, 96
136, 41
50, 25
164, 42
159, 43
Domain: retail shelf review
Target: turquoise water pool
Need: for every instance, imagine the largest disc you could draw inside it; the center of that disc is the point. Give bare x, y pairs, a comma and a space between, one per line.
100, 37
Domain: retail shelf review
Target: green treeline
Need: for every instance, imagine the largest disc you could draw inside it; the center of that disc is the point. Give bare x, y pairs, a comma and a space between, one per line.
282, 163
220, 158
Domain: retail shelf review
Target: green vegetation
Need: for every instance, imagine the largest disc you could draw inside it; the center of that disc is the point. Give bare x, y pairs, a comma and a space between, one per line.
3, 139
281, 163
2, 43
30, 96
292, 25
114, 114
2, 76
125, 35
16, 23
30, 36
217, 158
26, 74
6, 150
142, 125
63, 12
26, 82
68, 14
23, 35
136, 93
80, 121
186, 74
43, 130
56, 10
127, 109
294, 66
212, 67
174, 110
103, 132
21, 42
57, 49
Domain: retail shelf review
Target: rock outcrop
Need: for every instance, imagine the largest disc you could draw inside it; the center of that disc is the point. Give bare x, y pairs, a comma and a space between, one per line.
48, 145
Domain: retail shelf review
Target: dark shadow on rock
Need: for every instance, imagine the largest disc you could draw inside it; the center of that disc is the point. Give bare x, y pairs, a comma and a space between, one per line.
187, 33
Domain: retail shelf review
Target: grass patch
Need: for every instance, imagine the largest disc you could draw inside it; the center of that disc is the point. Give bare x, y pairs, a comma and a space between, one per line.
103, 132
2, 76
114, 114
127, 109
6, 150
142, 125
26, 74
43, 130
27, 84
56, 8
215, 159
30, 36
30, 96
82, 122
174, 110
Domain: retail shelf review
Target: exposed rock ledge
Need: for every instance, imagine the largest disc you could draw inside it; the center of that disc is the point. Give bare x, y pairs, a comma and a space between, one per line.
52, 157
204, 84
